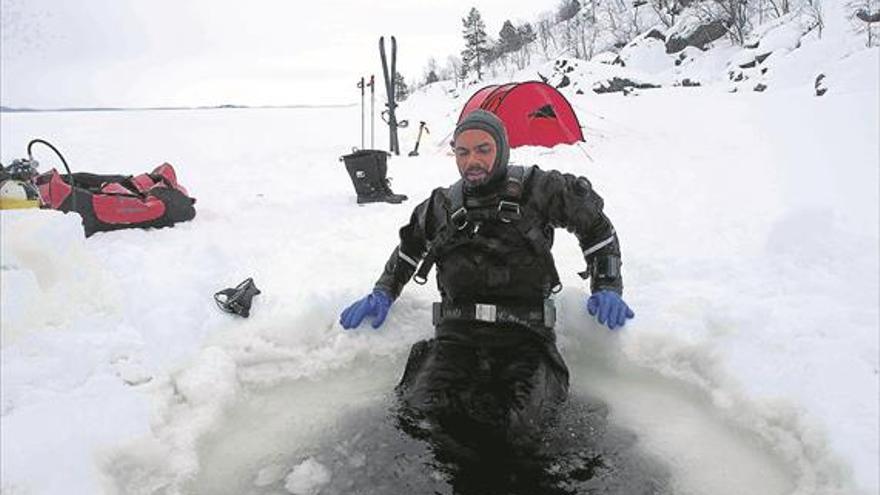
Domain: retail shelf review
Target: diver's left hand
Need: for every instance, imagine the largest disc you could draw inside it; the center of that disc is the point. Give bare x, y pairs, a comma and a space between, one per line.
609, 308
375, 305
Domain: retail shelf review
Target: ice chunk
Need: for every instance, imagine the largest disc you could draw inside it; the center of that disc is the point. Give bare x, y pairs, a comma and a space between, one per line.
270, 475
307, 478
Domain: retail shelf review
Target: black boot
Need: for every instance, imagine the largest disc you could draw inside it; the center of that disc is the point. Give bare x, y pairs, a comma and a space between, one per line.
389, 196
385, 184
367, 169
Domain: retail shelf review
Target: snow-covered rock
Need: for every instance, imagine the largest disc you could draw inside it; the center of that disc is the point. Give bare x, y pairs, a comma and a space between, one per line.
696, 28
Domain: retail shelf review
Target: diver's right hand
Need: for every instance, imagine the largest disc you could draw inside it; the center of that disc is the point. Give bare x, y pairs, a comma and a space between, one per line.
608, 307
375, 305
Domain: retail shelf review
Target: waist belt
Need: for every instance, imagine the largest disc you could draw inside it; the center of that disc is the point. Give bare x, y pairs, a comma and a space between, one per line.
539, 314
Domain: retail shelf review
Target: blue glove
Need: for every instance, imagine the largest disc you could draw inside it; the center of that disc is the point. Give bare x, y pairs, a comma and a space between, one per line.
375, 305
611, 309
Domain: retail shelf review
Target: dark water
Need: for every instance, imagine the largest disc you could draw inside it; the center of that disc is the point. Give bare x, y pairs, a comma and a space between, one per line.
368, 453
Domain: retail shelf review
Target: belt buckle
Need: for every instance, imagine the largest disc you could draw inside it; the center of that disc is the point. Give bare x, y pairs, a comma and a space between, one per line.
485, 312
549, 313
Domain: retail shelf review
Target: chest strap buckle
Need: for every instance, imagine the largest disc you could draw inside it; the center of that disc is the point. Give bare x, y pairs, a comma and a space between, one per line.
508, 211
459, 218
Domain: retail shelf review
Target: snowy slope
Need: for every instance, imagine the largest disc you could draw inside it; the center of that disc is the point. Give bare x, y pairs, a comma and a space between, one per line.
749, 224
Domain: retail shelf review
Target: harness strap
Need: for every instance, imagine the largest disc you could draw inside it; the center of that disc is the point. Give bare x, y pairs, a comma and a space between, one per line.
508, 210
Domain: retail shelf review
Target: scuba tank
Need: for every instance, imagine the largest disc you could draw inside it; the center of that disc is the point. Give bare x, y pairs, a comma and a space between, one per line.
17, 189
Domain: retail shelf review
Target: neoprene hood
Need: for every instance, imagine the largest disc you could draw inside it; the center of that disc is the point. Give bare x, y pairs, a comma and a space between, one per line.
487, 121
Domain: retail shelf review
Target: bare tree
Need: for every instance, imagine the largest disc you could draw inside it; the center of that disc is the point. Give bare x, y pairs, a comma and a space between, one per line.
568, 38
667, 10
622, 19
586, 29
780, 7
635, 19
524, 54
545, 34
454, 69
813, 9
866, 14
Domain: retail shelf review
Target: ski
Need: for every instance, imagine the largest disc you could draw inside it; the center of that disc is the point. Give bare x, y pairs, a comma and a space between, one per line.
389, 90
393, 86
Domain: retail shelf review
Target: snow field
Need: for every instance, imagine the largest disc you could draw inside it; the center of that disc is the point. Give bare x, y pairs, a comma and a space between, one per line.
749, 225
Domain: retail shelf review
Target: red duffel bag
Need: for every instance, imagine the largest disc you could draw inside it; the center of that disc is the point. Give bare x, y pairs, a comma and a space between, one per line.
112, 202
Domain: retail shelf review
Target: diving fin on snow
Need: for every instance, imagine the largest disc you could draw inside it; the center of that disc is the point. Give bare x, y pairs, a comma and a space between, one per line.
237, 300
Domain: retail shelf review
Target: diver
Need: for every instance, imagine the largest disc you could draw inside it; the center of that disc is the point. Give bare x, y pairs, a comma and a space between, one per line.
492, 372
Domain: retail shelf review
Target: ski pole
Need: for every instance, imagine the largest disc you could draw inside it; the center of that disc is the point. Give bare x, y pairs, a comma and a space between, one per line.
361, 86
372, 111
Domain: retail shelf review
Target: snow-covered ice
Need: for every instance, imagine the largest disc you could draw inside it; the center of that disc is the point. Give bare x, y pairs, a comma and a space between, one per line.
749, 228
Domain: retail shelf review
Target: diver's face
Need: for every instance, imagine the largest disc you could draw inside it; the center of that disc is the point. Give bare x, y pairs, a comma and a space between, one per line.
475, 152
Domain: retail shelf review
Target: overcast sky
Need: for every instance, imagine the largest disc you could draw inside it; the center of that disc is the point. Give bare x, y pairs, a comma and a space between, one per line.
62, 53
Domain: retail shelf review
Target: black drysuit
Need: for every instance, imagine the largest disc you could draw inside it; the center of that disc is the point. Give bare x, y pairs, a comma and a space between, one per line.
502, 380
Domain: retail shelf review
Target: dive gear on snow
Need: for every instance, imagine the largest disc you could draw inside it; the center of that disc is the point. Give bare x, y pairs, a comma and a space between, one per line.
543, 315
237, 300
17, 189
375, 305
16, 194
368, 170
111, 202
609, 308
422, 127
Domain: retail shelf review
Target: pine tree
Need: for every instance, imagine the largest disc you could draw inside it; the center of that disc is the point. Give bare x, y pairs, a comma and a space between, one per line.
567, 9
476, 43
527, 33
431, 71
401, 90
509, 38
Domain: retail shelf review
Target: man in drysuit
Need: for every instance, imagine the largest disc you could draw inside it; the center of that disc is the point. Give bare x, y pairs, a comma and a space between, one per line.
493, 369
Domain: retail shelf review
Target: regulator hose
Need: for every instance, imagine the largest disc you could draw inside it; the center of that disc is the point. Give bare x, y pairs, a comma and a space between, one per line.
63, 161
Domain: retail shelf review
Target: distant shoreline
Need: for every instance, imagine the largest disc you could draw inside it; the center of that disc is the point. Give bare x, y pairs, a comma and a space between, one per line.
146, 109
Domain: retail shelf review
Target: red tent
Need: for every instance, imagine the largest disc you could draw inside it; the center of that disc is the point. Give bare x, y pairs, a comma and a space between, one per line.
534, 113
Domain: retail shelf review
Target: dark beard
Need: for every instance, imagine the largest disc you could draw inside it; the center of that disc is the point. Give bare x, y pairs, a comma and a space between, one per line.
474, 168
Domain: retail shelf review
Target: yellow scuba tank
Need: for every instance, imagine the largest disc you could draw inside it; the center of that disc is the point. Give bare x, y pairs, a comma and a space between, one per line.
16, 188
16, 194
